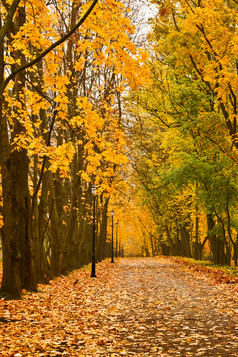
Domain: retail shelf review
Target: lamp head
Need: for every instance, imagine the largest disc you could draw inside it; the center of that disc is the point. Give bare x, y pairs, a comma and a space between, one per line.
112, 213
94, 189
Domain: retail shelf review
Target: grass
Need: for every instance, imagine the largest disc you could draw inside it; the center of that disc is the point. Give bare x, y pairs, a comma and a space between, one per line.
229, 270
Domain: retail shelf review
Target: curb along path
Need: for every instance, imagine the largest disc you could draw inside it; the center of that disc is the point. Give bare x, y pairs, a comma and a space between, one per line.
136, 307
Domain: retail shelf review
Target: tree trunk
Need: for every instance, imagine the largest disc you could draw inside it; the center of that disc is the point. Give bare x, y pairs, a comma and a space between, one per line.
11, 283
18, 267
185, 240
196, 247
214, 241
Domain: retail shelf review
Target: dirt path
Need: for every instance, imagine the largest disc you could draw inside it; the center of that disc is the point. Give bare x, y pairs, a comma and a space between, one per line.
136, 307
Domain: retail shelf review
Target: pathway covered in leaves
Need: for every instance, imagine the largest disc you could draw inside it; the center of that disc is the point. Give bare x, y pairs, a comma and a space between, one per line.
136, 307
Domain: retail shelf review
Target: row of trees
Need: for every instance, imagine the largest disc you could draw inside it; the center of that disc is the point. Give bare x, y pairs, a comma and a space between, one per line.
60, 130
184, 129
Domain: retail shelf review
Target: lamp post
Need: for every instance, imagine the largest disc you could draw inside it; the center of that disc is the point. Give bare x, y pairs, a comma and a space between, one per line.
112, 214
94, 191
116, 238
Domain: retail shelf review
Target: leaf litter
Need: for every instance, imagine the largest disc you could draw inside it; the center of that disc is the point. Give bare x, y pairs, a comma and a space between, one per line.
136, 307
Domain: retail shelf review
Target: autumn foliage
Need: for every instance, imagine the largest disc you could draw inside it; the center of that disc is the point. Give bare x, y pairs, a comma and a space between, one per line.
184, 130
61, 131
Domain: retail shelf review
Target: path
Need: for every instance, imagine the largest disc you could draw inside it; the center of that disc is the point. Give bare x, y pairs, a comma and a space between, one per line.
137, 307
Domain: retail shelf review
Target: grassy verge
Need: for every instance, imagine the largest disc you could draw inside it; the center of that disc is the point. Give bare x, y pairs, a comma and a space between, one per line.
230, 270
221, 273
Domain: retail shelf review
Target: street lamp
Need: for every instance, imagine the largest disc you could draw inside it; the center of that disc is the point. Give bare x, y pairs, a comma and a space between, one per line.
94, 192
112, 214
116, 238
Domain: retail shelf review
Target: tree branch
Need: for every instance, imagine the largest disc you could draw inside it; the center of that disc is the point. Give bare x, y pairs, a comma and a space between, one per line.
49, 49
9, 18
